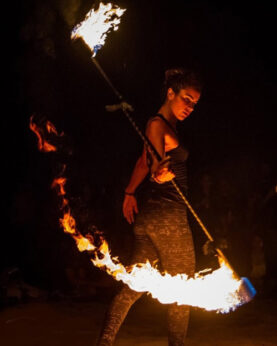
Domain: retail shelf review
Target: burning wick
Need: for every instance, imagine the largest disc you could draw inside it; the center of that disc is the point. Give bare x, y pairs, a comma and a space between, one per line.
97, 24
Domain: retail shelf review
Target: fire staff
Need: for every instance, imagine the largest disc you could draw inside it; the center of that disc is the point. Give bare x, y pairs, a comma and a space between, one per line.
160, 219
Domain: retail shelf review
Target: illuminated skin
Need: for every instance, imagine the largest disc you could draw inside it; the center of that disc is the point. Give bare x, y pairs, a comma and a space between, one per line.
177, 107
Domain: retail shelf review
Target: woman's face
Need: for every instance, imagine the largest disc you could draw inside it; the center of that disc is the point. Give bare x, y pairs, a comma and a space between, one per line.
183, 103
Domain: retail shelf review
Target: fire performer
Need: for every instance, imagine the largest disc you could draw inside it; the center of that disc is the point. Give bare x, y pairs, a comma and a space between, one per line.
161, 226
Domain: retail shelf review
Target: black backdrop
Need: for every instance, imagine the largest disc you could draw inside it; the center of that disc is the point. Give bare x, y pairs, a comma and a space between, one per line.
231, 133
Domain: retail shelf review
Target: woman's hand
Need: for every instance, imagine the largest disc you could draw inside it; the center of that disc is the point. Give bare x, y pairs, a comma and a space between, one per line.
163, 172
130, 207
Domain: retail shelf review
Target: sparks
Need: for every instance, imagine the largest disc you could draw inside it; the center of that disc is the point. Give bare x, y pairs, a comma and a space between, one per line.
97, 24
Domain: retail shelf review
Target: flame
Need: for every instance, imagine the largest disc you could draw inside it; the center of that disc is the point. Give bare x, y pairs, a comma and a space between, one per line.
43, 145
97, 24
218, 290
215, 291
59, 182
68, 222
51, 128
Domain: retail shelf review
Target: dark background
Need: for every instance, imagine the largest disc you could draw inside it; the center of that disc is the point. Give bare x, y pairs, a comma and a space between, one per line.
231, 135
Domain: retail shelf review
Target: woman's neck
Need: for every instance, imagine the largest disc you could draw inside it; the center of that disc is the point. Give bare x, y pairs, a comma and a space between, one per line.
167, 113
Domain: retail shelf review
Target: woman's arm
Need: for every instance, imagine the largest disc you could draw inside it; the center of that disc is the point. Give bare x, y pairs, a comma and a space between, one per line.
160, 171
139, 173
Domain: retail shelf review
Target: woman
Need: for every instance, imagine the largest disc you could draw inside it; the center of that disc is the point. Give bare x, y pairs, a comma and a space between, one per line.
160, 224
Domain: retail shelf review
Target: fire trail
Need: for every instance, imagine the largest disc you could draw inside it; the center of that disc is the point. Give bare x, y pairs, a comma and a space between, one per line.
93, 31
217, 290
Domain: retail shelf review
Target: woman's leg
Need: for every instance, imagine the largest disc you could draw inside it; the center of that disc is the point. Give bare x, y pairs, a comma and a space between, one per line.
126, 297
116, 314
179, 259
177, 321
174, 244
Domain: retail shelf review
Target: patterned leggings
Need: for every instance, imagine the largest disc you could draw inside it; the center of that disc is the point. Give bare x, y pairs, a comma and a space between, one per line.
161, 232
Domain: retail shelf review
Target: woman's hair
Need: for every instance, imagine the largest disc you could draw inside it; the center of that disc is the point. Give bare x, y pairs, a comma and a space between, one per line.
180, 78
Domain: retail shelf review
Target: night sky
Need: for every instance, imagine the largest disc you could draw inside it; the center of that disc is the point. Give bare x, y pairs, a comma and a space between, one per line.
230, 134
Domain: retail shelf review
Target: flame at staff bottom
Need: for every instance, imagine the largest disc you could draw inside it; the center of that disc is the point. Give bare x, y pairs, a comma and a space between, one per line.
218, 290
215, 291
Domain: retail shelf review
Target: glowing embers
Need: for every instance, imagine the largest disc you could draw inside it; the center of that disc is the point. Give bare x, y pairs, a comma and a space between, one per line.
97, 24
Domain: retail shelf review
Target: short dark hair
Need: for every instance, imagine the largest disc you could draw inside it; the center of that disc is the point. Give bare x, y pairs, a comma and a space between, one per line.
181, 78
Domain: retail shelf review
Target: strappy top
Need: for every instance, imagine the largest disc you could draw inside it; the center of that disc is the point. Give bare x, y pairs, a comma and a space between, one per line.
167, 191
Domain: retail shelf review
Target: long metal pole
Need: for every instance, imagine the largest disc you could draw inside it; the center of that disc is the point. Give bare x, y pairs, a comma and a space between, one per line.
151, 147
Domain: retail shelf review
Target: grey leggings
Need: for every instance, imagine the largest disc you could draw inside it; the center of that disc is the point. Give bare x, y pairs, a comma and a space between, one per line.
161, 232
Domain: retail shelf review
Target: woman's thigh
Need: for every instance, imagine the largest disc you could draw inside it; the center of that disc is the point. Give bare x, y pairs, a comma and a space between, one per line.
165, 234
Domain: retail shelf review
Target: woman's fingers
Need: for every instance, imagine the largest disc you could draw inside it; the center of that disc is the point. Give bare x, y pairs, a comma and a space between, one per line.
164, 175
164, 172
130, 208
128, 215
131, 217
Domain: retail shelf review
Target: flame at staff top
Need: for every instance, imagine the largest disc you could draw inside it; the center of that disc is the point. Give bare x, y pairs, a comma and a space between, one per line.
97, 24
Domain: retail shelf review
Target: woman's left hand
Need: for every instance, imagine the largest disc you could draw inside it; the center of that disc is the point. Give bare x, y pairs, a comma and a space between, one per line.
130, 208
163, 172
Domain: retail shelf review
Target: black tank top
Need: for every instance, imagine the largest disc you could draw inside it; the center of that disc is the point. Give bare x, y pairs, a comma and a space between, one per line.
167, 191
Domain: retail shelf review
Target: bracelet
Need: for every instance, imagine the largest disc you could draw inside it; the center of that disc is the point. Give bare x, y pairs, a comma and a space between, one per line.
129, 193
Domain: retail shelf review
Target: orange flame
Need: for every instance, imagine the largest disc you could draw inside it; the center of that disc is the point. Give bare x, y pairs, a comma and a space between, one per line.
51, 128
68, 222
218, 290
215, 291
59, 182
97, 24
43, 145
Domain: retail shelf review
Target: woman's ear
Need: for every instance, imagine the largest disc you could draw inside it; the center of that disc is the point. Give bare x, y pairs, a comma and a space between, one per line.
170, 94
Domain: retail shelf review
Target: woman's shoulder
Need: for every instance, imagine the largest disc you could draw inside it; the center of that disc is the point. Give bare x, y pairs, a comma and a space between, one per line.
155, 123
